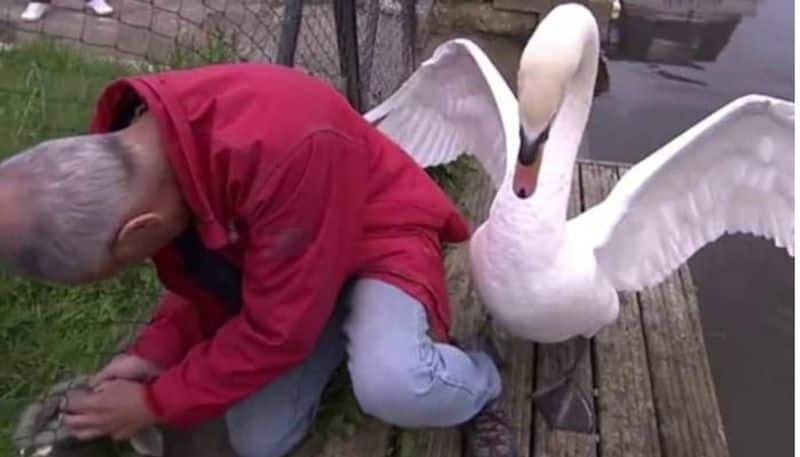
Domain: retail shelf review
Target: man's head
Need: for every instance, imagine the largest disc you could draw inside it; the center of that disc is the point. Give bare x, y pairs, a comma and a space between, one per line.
81, 208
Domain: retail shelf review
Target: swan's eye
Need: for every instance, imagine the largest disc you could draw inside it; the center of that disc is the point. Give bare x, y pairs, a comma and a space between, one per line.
543, 137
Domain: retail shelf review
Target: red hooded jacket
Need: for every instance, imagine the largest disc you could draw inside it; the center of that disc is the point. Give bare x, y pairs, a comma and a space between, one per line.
293, 193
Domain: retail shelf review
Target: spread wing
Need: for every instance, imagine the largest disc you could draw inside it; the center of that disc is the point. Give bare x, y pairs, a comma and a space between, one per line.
455, 103
733, 172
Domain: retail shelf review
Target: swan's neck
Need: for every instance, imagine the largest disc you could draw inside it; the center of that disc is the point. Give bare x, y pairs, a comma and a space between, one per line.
546, 209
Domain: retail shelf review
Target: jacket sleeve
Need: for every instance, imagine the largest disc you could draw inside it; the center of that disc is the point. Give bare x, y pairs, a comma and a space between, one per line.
302, 225
174, 328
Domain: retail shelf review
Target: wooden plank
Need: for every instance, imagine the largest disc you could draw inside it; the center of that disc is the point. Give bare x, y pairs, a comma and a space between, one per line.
551, 361
524, 6
686, 407
626, 412
715, 441
699, 8
432, 443
601, 9
370, 440
467, 311
518, 380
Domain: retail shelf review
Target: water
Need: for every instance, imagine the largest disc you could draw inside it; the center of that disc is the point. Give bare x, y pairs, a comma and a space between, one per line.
660, 86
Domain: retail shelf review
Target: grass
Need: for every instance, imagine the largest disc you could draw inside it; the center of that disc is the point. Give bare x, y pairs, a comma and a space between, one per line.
452, 176
51, 333
47, 91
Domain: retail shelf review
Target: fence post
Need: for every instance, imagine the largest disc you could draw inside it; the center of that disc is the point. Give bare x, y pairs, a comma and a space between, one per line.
290, 28
409, 15
367, 57
347, 41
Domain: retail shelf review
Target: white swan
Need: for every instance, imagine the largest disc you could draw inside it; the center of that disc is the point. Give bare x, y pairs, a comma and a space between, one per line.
547, 279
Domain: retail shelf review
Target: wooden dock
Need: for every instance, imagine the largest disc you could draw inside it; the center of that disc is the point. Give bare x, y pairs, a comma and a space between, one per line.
654, 394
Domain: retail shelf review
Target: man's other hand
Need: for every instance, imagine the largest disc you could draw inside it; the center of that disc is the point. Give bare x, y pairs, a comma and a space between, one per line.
128, 367
114, 408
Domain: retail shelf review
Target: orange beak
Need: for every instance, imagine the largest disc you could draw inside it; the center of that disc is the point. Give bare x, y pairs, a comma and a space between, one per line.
526, 177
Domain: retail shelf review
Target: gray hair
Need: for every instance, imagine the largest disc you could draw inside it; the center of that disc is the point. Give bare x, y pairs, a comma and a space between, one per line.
76, 190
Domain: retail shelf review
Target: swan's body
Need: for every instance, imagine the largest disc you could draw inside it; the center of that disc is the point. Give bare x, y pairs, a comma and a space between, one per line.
547, 279
560, 305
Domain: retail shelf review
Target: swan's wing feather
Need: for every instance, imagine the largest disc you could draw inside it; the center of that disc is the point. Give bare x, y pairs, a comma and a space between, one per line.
733, 172
455, 103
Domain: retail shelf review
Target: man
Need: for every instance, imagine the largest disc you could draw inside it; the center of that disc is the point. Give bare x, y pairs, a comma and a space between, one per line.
287, 231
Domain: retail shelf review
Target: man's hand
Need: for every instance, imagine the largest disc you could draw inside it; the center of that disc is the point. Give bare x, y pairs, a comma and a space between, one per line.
115, 408
128, 367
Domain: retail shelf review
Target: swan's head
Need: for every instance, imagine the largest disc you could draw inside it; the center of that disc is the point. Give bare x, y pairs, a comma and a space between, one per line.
536, 117
553, 56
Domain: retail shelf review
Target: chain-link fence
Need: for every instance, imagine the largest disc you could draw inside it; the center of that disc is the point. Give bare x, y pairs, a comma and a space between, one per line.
51, 71
293, 32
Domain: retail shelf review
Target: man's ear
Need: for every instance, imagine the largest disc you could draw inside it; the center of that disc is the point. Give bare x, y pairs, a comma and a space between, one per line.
136, 237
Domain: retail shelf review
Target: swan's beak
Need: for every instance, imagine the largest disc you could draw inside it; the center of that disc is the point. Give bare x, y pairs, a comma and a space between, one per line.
529, 159
525, 177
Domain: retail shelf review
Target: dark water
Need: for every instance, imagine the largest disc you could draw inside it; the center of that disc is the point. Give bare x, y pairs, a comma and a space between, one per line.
667, 74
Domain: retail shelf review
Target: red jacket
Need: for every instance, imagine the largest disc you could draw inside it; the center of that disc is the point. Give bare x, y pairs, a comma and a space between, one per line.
293, 193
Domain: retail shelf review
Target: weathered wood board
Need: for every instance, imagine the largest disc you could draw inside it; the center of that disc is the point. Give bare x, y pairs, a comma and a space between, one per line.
372, 438
625, 402
600, 8
686, 406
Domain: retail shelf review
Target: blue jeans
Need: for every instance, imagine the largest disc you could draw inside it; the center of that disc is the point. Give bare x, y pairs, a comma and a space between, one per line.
399, 374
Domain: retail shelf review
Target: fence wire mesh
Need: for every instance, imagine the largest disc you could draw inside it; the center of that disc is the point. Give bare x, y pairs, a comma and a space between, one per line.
51, 72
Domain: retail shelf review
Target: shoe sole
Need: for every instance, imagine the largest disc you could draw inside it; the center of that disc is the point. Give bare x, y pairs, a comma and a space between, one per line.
111, 13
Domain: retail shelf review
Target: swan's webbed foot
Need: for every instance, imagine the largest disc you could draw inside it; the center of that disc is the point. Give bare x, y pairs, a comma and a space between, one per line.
564, 405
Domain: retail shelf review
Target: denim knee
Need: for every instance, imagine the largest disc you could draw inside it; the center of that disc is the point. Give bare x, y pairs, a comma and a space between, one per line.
385, 392
394, 388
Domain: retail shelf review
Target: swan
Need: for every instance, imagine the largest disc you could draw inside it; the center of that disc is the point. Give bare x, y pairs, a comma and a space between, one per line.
548, 279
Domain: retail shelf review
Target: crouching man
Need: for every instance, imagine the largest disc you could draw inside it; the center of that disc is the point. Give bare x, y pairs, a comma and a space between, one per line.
288, 233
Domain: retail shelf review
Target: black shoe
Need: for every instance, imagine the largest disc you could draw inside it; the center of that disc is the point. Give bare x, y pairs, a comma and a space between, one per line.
489, 434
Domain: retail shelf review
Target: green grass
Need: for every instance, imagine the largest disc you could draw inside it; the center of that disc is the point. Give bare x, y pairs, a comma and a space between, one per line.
48, 91
452, 176
51, 333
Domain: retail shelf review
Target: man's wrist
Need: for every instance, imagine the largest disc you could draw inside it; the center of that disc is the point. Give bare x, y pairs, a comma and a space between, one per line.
151, 403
